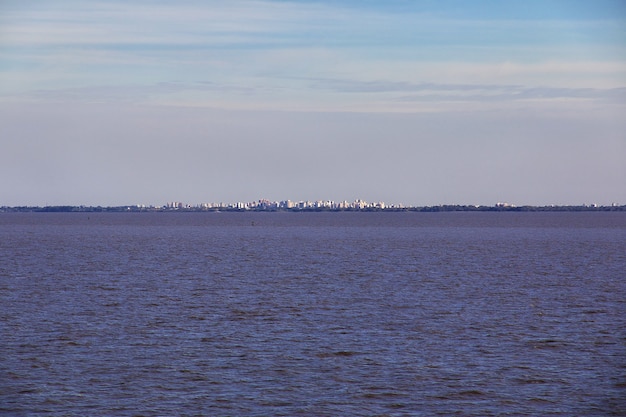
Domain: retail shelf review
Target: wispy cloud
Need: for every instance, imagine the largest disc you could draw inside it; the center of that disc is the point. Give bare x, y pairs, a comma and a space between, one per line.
126, 93
468, 92
115, 23
252, 23
303, 51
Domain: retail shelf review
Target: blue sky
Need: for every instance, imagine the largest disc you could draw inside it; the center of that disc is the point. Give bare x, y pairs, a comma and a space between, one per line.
414, 102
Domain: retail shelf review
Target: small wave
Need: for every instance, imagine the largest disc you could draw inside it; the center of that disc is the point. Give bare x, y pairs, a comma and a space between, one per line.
530, 381
386, 394
340, 353
547, 344
471, 393
540, 400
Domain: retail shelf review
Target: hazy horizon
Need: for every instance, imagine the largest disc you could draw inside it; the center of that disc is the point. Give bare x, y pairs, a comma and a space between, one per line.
416, 103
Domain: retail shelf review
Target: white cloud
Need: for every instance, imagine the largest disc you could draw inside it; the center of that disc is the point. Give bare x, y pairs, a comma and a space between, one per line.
171, 31
163, 24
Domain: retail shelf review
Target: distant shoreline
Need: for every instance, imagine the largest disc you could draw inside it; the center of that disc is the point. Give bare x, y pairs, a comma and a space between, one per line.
424, 209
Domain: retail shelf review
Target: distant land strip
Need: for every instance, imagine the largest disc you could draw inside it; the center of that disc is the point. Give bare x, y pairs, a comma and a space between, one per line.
306, 208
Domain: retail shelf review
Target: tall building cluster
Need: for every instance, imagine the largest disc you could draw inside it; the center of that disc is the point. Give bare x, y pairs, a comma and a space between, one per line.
286, 205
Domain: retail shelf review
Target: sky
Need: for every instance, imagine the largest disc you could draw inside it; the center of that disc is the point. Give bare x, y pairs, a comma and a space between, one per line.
118, 102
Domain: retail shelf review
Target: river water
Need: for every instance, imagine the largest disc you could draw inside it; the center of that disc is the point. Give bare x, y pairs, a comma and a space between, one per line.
313, 314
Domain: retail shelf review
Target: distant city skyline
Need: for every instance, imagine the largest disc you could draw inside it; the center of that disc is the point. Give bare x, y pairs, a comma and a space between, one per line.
264, 205
418, 103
